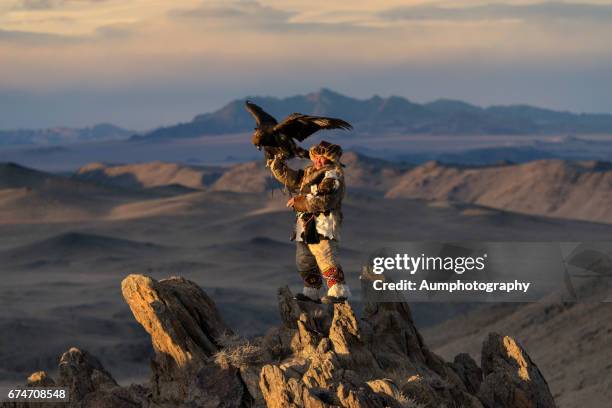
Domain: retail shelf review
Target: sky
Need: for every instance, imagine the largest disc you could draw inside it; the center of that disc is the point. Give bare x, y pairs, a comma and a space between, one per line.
145, 63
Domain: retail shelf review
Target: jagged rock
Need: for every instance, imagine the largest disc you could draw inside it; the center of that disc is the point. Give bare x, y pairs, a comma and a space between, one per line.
386, 390
83, 374
390, 328
216, 387
185, 328
316, 359
317, 319
346, 359
384, 386
344, 331
389, 331
468, 371
511, 378
250, 378
89, 384
359, 398
40, 379
420, 391
345, 337
282, 392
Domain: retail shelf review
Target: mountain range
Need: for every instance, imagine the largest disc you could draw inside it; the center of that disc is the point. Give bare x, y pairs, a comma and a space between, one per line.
375, 116
62, 135
394, 115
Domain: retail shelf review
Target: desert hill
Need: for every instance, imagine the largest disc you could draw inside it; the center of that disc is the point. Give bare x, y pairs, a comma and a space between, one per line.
364, 173
367, 173
393, 115
149, 175
13, 175
249, 177
162, 176
77, 245
555, 188
28, 195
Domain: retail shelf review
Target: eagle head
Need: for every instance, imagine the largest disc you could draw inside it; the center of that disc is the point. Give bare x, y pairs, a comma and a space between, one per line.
258, 138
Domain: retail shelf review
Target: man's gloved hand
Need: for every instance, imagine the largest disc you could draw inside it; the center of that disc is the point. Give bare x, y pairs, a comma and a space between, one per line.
277, 158
298, 203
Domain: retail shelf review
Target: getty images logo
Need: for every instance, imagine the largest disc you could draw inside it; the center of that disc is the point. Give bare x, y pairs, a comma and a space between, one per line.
450, 258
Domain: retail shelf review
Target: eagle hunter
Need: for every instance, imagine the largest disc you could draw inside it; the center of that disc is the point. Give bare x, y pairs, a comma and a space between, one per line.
278, 139
319, 189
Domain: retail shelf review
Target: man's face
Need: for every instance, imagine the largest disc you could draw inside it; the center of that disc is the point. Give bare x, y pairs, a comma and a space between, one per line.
319, 161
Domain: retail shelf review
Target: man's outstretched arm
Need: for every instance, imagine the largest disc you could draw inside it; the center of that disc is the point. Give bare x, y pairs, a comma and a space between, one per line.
286, 175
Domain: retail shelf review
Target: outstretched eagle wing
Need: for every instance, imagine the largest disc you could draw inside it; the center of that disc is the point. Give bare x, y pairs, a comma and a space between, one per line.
300, 126
262, 118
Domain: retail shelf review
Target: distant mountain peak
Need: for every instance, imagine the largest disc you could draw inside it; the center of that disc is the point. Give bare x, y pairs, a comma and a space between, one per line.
394, 114
328, 92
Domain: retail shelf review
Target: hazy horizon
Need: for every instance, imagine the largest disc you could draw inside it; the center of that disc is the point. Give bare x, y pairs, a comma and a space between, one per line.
145, 63
179, 115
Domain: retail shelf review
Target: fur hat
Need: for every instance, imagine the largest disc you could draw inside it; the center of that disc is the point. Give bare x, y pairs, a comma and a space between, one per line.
330, 151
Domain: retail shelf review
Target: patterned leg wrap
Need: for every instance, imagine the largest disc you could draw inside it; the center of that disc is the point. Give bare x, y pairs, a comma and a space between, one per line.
333, 275
312, 279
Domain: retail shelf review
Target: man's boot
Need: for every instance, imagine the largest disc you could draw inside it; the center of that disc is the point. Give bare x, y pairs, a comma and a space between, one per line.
338, 293
308, 295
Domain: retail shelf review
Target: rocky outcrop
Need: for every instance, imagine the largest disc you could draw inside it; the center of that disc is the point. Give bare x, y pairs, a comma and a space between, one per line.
511, 378
186, 329
320, 356
88, 384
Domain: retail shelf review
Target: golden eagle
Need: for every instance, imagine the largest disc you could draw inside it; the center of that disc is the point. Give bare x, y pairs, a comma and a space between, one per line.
279, 138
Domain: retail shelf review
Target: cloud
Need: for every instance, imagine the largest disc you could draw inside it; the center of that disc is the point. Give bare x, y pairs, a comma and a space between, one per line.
120, 42
114, 31
548, 11
252, 14
32, 38
49, 4
37, 4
